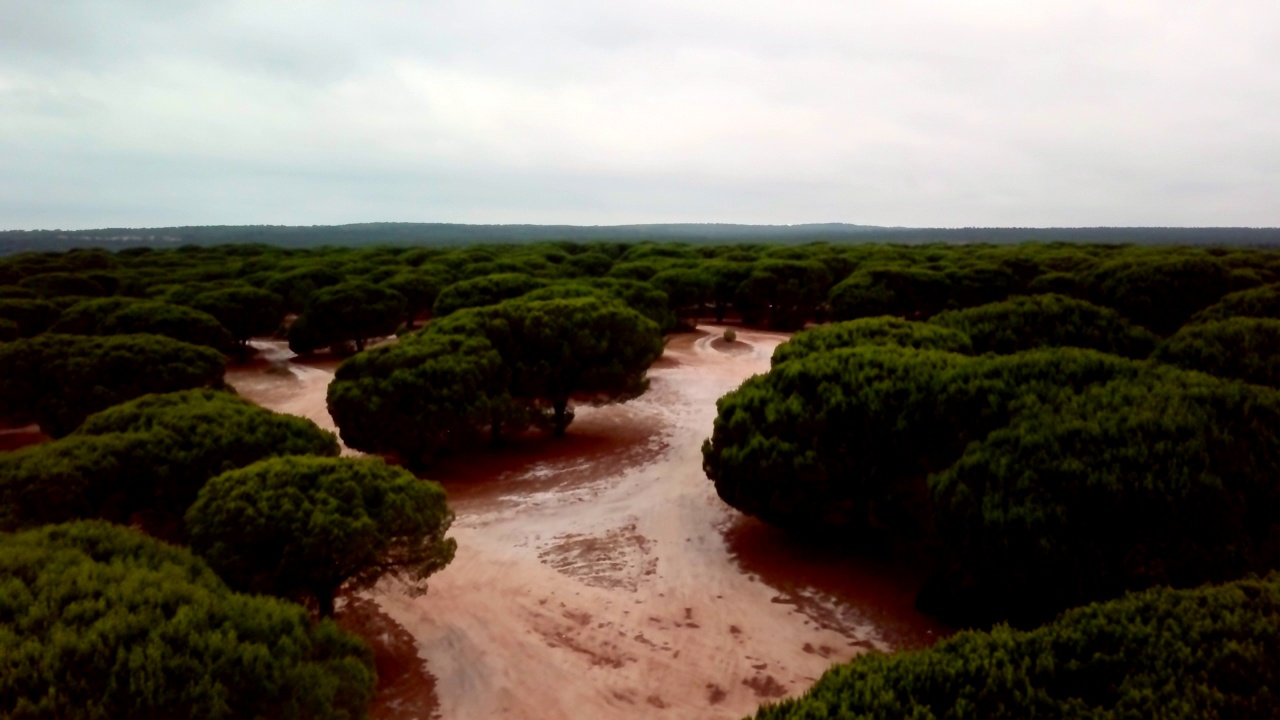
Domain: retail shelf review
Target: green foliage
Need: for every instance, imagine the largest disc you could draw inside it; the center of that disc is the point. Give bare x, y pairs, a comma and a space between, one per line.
726, 277
783, 292
484, 290
589, 264
1179, 654
730, 335
897, 291
639, 296
150, 456
817, 439
419, 289
346, 312
639, 270
32, 317
87, 317
62, 284
243, 311
8, 330
309, 527
1157, 292
1243, 348
557, 350
424, 396
15, 292
59, 380
1027, 322
297, 286
1164, 479
1039, 479
1260, 302
687, 289
1057, 283
872, 331
129, 316
98, 621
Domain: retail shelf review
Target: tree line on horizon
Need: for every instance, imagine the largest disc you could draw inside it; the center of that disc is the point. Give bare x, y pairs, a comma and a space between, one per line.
455, 234
985, 407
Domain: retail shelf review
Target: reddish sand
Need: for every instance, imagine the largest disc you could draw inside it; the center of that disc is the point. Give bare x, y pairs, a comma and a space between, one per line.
600, 576
14, 438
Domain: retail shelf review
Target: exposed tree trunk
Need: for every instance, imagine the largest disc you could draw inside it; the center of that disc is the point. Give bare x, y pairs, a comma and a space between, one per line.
359, 344
325, 599
495, 429
560, 420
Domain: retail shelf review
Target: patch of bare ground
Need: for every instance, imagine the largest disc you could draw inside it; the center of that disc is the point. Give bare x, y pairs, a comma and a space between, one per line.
617, 559
766, 687
735, 347
13, 438
600, 576
405, 690
835, 588
601, 443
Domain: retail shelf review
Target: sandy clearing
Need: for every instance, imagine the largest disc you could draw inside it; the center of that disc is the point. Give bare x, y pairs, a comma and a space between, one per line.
601, 576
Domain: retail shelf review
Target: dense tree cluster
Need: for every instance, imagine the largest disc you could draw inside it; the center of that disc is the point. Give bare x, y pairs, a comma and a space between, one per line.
59, 380
1185, 654
482, 372
1047, 424
1246, 348
1049, 320
307, 527
131, 316
99, 621
146, 460
1036, 480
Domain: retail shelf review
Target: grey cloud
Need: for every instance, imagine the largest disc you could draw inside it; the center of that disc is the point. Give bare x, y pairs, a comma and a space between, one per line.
915, 113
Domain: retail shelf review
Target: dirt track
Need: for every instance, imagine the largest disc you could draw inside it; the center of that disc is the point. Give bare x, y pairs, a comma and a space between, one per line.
600, 576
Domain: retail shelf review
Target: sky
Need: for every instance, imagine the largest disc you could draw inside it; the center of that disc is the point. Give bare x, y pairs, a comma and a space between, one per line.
146, 113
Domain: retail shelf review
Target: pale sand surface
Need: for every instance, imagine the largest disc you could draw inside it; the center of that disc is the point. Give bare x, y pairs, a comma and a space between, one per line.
600, 576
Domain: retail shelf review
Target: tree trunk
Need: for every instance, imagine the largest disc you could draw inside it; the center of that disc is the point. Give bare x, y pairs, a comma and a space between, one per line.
325, 599
359, 344
560, 422
495, 428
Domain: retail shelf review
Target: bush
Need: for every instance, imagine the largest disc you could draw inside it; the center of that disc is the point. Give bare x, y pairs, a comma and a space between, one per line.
1261, 302
59, 380
898, 291
151, 455
1164, 479
730, 335
1185, 654
1027, 322
422, 397
98, 621
1243, 348
129, 316
872, 331
1039, 479
307, 527
1159, 293
485, 290
32, 317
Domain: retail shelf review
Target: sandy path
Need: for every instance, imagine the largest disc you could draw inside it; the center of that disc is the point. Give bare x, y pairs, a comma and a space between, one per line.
602, 577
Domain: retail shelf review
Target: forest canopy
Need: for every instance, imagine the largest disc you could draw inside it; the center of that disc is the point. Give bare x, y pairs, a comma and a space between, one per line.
97, 620
1044, 426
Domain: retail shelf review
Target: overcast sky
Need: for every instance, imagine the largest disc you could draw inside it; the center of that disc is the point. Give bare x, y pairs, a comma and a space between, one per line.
1018, 113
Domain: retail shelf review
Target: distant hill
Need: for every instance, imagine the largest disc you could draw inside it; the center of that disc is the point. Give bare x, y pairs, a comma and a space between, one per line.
13, 241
